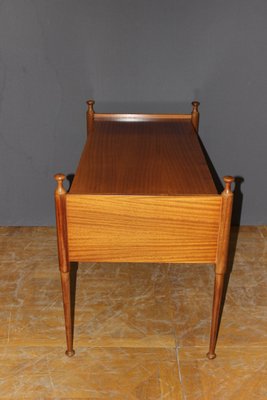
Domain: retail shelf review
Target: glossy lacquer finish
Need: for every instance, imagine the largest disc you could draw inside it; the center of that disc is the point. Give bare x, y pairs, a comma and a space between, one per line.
150, 158
143, 193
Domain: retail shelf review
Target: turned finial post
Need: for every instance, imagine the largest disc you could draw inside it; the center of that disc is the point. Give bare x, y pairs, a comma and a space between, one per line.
60, 203
228, 180
90, 116
60, 188
91, 106
221, 265
195, 115
63, 258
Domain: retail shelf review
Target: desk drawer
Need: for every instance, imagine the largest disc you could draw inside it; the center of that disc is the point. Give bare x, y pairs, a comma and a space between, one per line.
143, 228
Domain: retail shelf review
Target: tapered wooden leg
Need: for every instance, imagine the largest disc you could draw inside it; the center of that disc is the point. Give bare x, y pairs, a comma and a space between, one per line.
221, 263
63, 259
66, 294
216, 311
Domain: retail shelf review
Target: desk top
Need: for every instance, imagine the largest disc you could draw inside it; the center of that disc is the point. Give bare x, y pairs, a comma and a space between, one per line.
143, 158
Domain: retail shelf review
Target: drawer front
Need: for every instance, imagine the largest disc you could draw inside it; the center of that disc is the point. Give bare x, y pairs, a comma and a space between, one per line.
165, 229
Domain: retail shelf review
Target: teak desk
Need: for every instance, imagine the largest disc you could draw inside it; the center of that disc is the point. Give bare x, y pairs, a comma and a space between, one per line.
143, 193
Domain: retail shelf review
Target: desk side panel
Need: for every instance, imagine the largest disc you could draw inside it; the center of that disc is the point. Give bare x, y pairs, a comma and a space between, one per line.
143, 228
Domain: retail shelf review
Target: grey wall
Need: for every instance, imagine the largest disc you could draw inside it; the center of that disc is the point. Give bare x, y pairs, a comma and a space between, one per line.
137, 56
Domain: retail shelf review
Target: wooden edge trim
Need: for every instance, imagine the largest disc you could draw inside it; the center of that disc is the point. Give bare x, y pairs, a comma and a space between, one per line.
143, 195
140, 117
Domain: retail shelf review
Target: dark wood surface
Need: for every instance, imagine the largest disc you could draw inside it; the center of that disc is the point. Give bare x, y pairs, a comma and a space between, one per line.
150, 158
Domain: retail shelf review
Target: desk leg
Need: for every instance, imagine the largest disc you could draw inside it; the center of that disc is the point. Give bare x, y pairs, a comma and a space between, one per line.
221, 263
216, 313
63, 259
65, 283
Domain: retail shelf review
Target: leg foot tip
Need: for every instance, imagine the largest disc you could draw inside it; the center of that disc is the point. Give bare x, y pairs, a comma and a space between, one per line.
211, 356
70, 353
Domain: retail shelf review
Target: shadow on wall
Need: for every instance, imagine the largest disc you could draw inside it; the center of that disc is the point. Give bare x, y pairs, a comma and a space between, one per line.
70, 178
238, 201
236, 217
237, 206
238, 195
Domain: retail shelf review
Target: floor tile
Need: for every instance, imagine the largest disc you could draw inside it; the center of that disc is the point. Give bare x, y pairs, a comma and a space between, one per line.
131, 321
110, 373
234, 374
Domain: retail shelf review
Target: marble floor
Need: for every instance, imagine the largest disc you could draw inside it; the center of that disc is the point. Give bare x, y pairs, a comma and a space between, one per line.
141, 331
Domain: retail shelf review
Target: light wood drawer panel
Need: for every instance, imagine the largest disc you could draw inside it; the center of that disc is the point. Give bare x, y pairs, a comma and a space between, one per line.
143, 229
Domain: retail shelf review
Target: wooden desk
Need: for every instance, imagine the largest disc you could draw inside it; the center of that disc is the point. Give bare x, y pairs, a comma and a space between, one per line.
143, 193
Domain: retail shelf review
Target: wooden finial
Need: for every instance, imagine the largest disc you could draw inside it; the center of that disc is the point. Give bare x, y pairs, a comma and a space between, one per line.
90, 106
228, 181
195, 115
195, 105
60, 179
90, 116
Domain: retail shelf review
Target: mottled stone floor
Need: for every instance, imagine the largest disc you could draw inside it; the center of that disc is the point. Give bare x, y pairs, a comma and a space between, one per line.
141, 331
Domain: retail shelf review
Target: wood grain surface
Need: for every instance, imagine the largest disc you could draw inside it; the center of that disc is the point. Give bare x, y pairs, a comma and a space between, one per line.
141, 117
143, 158
143, 229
